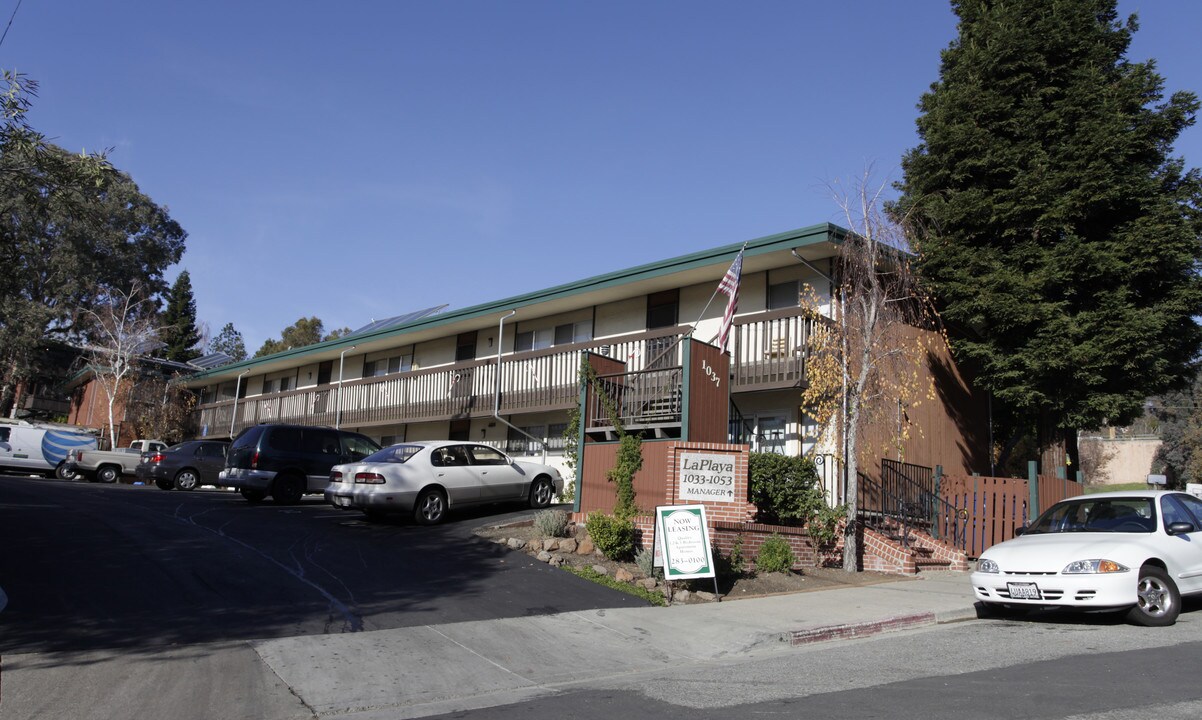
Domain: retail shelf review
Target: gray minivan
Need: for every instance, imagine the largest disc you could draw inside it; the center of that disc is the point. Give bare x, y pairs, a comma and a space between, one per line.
289, 461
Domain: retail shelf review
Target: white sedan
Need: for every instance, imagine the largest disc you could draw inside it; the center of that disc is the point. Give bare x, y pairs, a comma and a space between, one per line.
1138, 550
426, 479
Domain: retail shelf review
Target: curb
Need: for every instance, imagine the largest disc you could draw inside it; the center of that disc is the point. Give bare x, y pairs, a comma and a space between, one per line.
850, 631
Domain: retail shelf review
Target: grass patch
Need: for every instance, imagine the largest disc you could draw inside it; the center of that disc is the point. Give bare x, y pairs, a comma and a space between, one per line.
1121, 487
641, 592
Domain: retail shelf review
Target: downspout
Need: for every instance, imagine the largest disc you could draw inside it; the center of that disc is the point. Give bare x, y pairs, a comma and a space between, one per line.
338, 406
496, 405
237, 391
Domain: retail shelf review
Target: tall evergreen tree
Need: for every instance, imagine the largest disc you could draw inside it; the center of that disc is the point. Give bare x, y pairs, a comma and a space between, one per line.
179, 331
1059, 234
230, 342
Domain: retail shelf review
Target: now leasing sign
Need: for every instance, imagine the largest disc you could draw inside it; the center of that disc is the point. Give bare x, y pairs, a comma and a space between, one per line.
706, 476
683, 541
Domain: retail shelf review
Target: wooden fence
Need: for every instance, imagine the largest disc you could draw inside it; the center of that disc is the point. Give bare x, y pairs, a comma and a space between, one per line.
993, 508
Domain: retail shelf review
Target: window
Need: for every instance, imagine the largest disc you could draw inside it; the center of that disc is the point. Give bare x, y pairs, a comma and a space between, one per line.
465, 346
285, 439
5, 434
784, 295
287, 383
564, 334
268, 387
1194, 506
388, 366
448, 456
459, 430
662, 308
555, 439
519, 444
484, 455
322, 441
358, 446
533, 340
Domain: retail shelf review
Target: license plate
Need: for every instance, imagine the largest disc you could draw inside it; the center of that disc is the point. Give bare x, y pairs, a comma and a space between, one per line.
341, 501
1023, 591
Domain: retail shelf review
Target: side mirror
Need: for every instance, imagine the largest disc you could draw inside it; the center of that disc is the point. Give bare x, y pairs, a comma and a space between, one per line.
1180, 528
1020, 530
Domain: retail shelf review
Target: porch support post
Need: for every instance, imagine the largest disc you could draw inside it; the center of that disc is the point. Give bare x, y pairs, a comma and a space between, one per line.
1032, 490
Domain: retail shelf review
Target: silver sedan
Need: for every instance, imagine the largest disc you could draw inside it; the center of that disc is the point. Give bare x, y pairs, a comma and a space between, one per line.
426, 479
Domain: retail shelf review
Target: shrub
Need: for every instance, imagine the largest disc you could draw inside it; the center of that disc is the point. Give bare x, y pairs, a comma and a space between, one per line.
552, 523
733, 565
784, 489
645, 559
823, 527
613, 536
775, 555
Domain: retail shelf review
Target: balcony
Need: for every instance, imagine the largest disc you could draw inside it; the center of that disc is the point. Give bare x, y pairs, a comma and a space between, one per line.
768, 353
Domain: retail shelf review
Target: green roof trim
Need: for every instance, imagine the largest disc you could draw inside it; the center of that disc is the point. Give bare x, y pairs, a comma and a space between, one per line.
811, 235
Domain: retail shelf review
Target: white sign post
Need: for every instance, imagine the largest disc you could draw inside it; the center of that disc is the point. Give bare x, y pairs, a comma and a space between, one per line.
682, 535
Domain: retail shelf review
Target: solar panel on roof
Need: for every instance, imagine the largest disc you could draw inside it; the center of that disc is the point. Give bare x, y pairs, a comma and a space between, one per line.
397, 321
212, 360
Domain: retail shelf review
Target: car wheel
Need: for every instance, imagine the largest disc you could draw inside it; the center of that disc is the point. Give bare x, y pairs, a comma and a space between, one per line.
1159, 602
287, 490
163, 484
253, 495
431, 507
186, 480
107, 474
62, 472
542, 492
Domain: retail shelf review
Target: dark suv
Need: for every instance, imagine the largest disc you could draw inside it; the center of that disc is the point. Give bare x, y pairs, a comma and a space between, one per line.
288, 461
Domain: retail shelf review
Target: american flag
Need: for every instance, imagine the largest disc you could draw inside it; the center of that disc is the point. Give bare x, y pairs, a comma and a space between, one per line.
730, 287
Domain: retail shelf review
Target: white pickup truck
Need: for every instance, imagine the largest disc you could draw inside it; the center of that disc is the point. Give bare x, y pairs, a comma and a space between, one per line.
107, 465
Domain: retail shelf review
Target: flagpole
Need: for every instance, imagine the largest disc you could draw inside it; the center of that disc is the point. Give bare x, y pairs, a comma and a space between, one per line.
711, 300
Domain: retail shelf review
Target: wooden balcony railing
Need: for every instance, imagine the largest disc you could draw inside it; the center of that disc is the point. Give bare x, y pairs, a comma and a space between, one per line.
542, 380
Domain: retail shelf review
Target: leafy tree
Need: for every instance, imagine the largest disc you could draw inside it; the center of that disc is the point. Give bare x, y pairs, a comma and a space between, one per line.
230, 342
166, 413
72, 230
1058, 234
305, 331
179, 332
1180, 454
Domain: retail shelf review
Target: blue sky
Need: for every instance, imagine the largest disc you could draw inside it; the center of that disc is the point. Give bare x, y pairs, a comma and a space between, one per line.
362, 159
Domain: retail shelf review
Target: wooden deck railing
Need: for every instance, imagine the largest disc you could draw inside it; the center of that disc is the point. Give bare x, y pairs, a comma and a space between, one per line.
537, 381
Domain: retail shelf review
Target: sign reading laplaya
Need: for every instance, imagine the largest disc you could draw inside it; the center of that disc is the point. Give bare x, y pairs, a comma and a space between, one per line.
706, 476
685, 544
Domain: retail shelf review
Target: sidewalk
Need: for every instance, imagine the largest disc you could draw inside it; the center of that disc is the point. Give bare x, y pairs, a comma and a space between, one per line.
414, 672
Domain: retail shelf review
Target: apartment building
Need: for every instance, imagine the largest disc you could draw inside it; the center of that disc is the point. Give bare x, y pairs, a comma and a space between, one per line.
506, 372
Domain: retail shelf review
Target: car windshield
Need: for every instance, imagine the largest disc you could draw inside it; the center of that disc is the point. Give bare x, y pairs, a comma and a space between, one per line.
1121, 515
393, 454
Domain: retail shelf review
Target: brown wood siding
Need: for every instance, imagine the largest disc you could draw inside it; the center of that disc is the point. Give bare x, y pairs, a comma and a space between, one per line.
709, 393
951, 430
597, 494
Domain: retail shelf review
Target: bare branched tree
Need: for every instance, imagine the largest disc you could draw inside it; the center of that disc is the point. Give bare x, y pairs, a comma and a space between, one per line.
123, 328
869, 359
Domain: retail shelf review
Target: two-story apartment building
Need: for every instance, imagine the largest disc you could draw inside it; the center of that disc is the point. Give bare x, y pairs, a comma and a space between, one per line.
505, 371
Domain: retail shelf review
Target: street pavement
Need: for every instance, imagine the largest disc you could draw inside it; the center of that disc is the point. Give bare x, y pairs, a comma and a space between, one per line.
420, 671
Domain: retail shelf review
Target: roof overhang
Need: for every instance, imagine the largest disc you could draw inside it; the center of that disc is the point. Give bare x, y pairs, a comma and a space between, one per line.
812, 243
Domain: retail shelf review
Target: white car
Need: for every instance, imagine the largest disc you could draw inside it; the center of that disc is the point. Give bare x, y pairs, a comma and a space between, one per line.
426, 479
1139, 550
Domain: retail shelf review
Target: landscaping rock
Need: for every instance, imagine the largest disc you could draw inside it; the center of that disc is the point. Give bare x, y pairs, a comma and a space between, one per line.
600, 569
516, 543
647, 583
681, 596
623, 575
544, 556
703, 595
556, 560
551, 544
568, 545
585, 547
